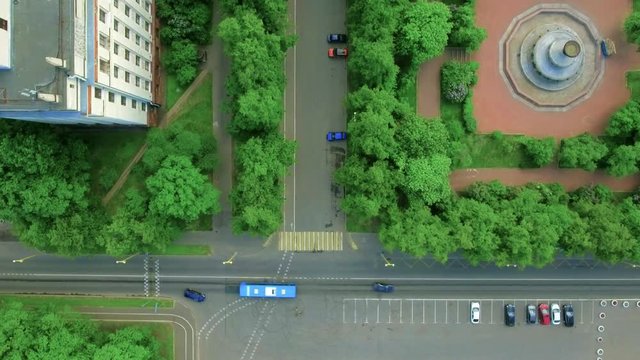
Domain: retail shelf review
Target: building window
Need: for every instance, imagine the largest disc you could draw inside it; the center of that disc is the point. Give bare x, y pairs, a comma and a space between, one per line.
123, 100
112, 97
137, 39
137, 60
98, 93
116, 48
146, 26
127, 9
146, 85
143, 106
126, 32
147, 6
137, 19
138, 81
104, 66
102, 16
146, 45
146, 65
126, 54
133, 103
115, 72
115, 3
104, 41
115, 24
127, 76
4, 25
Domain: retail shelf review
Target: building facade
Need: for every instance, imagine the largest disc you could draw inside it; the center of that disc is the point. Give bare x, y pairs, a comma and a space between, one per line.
79, 61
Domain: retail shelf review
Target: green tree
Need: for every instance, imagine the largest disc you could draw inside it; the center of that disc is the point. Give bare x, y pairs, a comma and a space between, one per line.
182, 59
372, 134
130, 343
421, 138
625, 122
632, 27
179, 191
423, 30
371, 63
417, 232
256, 198
427, 179
624, 160
184, 20
464, 32
583, 151
259, 110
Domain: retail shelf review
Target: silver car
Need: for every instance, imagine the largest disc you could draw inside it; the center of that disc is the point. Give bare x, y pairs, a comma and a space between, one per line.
475, 312
555, 314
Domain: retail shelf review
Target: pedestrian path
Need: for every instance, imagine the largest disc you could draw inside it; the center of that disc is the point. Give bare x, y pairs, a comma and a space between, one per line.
310, 241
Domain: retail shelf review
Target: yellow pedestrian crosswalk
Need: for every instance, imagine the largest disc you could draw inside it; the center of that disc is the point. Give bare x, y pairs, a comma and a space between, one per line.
310, 241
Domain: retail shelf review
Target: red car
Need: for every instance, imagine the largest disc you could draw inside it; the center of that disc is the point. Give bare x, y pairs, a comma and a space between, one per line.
543, 309
338, 52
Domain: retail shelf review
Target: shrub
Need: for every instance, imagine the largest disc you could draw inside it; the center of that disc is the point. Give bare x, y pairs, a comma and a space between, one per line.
540, 151
468, 119
583, 151
457, 78
182, 60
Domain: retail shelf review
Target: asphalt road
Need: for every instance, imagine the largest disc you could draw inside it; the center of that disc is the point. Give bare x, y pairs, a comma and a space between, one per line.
314, 105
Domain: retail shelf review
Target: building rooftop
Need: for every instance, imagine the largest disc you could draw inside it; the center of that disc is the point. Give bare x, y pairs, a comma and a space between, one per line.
40, 29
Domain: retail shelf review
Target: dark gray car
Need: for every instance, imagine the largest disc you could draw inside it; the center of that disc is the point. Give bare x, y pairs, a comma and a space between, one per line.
532, 315
510, 315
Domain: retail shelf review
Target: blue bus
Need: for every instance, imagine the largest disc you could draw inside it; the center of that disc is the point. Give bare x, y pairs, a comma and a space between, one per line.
268, 290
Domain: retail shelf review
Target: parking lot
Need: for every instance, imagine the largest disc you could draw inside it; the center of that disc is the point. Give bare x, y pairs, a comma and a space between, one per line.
420, 311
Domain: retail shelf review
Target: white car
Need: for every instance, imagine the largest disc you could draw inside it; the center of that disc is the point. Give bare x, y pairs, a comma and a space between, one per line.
555, 314
475, 313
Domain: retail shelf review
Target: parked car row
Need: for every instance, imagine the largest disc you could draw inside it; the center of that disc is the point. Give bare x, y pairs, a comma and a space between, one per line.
335, 52
544, 314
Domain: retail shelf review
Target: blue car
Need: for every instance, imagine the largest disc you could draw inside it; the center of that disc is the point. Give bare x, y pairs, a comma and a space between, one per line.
337, 38
381, 287
194, 295
336, 135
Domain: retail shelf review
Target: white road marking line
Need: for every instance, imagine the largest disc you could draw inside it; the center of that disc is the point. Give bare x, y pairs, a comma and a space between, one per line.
446, 312
400, 311
366, 311
423, 313
491, 312
378, 313
458, 312
412, 311
355, 306
389, 311
435, 315
344, 320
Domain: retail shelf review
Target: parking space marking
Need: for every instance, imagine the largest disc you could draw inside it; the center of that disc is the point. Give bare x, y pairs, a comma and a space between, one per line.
435, 315
396, 310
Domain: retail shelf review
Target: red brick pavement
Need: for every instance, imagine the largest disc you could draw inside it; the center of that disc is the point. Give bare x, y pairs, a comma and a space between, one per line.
495, 107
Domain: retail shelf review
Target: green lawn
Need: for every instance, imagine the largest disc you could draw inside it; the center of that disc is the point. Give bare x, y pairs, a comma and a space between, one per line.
87, 301
109, 153
485, 151
163, 332
633, 83
407, 93
174, 91
174, 249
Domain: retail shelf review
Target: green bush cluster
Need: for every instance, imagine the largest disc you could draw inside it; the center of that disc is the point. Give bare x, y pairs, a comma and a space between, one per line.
469, 120
540, 151
254, 38
185, 26
623, 132
584, 151
457, 78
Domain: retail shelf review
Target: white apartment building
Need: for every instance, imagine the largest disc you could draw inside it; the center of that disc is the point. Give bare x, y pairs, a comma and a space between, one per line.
78, 61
